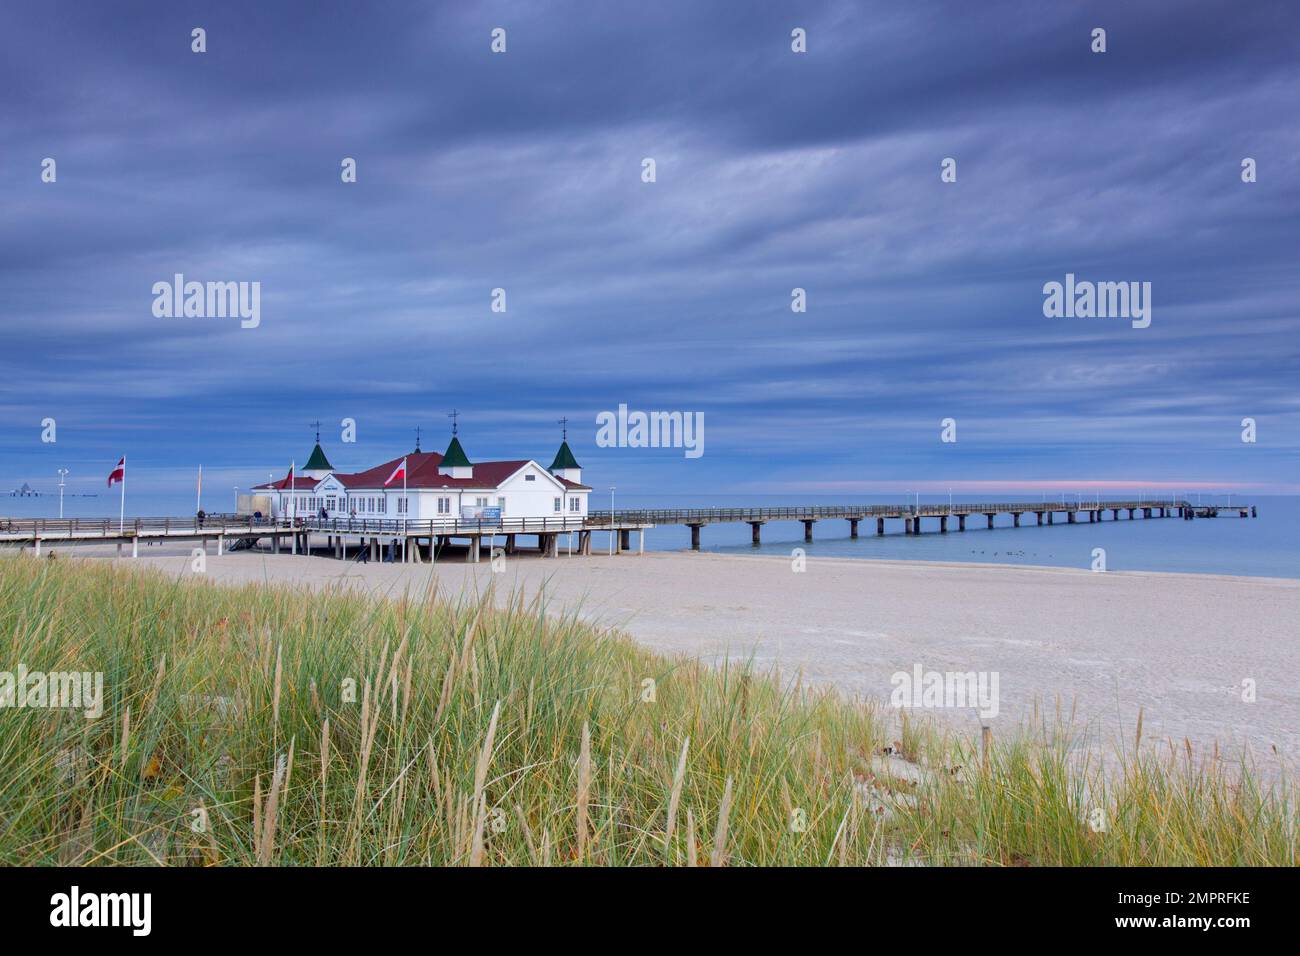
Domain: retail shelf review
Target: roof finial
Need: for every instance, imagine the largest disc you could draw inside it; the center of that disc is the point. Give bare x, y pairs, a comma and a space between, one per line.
316, 425
564, 428
417, 437
453, 416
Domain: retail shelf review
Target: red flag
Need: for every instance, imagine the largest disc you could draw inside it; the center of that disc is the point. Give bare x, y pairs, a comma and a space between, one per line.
118, 473
288, 479
398, 472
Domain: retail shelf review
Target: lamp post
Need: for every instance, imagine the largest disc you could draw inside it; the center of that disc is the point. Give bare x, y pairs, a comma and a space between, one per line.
611, 521
950, 499
236, 499
63, 472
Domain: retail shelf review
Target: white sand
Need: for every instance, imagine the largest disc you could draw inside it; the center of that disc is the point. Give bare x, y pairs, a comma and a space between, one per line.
1177, 645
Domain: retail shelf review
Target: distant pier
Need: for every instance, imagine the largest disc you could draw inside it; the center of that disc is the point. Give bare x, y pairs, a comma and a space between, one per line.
417, 541
912, 516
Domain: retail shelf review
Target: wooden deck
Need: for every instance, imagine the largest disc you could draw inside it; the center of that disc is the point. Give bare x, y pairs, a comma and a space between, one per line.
433, 536
912, 515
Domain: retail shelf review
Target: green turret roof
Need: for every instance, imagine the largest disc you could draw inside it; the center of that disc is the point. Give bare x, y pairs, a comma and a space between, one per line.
564, 458
455, 456
317, 461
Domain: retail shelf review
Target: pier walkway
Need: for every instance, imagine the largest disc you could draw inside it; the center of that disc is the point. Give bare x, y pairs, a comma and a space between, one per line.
913, 515
417, 540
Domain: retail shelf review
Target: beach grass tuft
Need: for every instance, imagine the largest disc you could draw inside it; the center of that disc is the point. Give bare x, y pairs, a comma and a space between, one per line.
280, 726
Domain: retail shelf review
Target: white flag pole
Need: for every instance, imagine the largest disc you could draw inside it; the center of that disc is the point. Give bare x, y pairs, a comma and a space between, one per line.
198, 501
121, 514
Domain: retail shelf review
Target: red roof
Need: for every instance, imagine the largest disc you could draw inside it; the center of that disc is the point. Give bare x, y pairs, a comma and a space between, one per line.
422, 472
300, 483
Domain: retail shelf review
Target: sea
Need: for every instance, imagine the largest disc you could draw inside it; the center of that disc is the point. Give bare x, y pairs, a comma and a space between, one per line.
1265, 546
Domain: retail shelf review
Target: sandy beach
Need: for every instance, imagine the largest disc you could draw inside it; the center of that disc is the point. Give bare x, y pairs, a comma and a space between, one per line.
1177, 645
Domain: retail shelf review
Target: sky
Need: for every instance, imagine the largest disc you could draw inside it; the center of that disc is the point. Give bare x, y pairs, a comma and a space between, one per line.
523, 170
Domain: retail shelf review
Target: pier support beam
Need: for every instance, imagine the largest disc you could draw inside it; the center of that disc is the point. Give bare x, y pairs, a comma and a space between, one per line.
1069, 517
807, 530
221, 545
907, 526
961, 522
135, 547
1130, 513
510, 544
943, 524
640, 541
990, 517
1015, 519
1114, 514
1146, 512
695, 537
1051, 517
853, 528
755, 537
1040, 516
625, 540
880, 526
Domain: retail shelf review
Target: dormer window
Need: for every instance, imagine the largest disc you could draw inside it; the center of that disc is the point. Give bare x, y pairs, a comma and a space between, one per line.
530, 477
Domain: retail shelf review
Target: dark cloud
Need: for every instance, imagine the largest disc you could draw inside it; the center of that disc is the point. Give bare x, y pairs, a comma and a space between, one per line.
774, 171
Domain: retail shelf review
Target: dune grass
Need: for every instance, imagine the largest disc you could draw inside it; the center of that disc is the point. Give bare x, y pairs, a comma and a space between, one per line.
277, 726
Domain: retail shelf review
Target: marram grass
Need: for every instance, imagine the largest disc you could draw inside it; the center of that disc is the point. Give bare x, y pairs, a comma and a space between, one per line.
275, 726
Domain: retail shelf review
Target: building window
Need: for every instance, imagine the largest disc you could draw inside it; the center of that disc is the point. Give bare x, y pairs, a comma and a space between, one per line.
573, 504
480, 502
557, 504
501, 503
444, 506
530, 477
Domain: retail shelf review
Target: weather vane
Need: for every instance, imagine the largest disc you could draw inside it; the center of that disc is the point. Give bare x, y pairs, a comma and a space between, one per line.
453, 414
316, 425
564, 428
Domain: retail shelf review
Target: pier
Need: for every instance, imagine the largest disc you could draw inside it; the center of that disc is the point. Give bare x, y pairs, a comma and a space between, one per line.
945, 517
344, 538
418, 541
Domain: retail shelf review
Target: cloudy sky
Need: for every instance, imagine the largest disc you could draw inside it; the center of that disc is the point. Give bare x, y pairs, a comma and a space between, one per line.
775, 170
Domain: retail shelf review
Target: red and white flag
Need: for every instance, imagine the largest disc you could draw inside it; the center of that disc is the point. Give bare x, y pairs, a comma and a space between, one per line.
288, 479
398, 472
119, 472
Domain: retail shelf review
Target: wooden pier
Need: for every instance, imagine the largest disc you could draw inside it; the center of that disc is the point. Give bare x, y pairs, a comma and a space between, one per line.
343, 537
912, 516
417, 541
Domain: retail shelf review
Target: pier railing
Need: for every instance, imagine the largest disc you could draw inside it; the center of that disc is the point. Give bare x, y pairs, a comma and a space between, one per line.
926, 509
441, 526
54, 527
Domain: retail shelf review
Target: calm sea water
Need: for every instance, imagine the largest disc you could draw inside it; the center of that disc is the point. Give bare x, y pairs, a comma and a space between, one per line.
1266, 546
